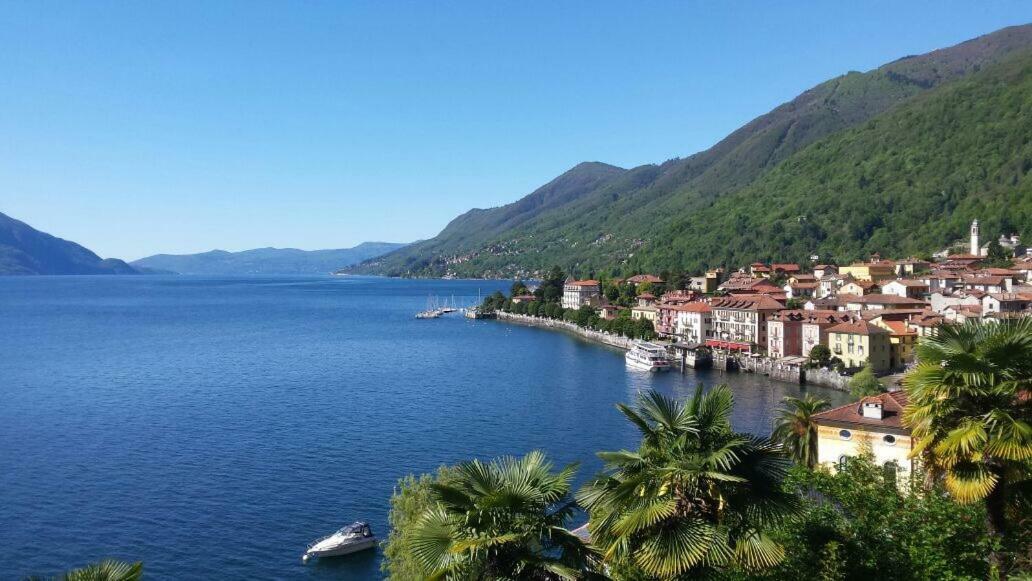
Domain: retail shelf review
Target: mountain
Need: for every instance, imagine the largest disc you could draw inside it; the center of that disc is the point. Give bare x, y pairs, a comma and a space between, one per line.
658, 216
25, 250
267, 260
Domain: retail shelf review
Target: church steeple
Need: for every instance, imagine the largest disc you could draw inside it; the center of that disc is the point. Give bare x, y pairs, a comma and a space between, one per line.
976, 248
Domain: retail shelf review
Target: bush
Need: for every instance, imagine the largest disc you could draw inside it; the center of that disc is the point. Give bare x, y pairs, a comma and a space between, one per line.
864, 384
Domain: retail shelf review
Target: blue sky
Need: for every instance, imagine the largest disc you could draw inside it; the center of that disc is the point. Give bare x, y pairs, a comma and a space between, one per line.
143, 127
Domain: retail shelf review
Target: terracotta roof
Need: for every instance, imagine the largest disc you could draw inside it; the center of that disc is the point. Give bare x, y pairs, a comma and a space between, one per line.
824, 266
804, 285
997, 271
747, 302
638, 278
885, 300
588, 282
858, 327
909, 282
898, 327
646, 296
852, 414
790, 315
786, 267
990, 280
748, 284
1011, 297
696, 307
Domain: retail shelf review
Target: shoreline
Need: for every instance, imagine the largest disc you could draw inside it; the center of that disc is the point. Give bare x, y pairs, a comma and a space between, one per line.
617, 341
815, 377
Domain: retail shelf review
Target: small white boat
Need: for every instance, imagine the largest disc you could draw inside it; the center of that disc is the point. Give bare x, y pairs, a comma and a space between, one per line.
350, 539
647, 357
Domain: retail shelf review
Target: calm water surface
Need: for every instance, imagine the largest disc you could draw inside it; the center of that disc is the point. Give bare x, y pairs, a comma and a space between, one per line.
212, 427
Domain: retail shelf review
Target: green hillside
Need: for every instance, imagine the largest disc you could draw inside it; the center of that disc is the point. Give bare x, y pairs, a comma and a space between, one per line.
907, 182
662, 216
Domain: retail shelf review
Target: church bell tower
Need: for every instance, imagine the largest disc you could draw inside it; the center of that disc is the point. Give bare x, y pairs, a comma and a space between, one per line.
975, 246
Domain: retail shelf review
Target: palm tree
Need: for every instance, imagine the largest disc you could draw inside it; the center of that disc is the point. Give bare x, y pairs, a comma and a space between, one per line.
694, 497
796, 430
108, 570
969, 411
502, 520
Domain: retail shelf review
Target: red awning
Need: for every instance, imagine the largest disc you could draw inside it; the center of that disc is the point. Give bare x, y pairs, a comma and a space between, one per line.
730, 345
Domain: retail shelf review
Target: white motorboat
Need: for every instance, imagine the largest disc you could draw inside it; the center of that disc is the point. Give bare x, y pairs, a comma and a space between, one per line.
647, 357
350, 539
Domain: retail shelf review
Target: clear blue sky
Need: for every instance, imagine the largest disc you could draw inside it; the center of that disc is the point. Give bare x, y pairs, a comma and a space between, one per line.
143, 127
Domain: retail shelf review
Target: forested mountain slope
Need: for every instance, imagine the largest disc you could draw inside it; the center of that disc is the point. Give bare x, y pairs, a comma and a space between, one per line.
599, 216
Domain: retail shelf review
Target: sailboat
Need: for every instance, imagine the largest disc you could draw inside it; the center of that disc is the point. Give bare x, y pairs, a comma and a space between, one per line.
432, 310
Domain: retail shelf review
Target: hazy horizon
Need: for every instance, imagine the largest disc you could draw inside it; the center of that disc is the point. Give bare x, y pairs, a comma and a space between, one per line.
177, 128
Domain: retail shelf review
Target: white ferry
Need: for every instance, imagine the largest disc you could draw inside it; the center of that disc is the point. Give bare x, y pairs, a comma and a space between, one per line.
647, 357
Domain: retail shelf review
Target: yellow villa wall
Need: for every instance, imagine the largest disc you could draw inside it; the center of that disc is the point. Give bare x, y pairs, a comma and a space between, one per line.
830, 447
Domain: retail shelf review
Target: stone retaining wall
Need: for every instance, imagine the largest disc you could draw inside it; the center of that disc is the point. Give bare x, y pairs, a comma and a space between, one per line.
589, 334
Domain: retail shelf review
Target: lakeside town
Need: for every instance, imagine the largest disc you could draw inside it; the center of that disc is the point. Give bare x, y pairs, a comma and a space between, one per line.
852, 327
782, 318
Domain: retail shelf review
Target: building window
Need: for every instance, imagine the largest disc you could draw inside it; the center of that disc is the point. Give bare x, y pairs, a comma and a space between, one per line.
845, 434
889, 440
843, 461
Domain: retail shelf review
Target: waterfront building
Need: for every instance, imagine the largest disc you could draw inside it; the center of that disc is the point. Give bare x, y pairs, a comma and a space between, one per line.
609, 311
523, 299
785, 333
875, 424
740, 322
859, 343
648, 312
693, 322
577, 293
814, 330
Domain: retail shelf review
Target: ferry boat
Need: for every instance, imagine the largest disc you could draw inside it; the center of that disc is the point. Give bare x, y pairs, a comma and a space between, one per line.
647, 357
350, 539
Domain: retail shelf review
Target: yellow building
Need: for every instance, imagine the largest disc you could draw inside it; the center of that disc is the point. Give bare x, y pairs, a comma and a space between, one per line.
902, 338
859, 343
874, 424
875, 271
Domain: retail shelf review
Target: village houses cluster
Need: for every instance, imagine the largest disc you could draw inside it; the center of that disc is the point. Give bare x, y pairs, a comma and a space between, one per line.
868, 314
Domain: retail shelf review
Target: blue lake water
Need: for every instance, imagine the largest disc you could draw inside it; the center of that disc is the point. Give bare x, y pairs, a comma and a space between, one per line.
212, 427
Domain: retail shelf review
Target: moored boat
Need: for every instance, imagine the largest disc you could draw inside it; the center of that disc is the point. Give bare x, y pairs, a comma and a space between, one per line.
647, 357
350, 539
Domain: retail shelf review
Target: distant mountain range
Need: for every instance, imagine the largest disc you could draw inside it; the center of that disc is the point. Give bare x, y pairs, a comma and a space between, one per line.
267, 260
25, 250
897, 160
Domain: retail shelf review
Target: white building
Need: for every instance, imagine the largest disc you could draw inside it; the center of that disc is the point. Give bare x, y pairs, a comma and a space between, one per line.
577, 293
694, 322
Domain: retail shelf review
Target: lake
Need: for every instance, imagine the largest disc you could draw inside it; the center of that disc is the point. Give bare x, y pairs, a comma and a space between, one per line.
212, 427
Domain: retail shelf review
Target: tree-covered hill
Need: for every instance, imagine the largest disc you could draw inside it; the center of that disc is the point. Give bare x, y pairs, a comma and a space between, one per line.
907, 182
655, 216
25, 250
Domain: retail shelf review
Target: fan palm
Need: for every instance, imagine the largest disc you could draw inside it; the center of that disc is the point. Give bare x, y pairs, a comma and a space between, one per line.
108, 570
796, 430
969, 411
502, 520
694, 497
